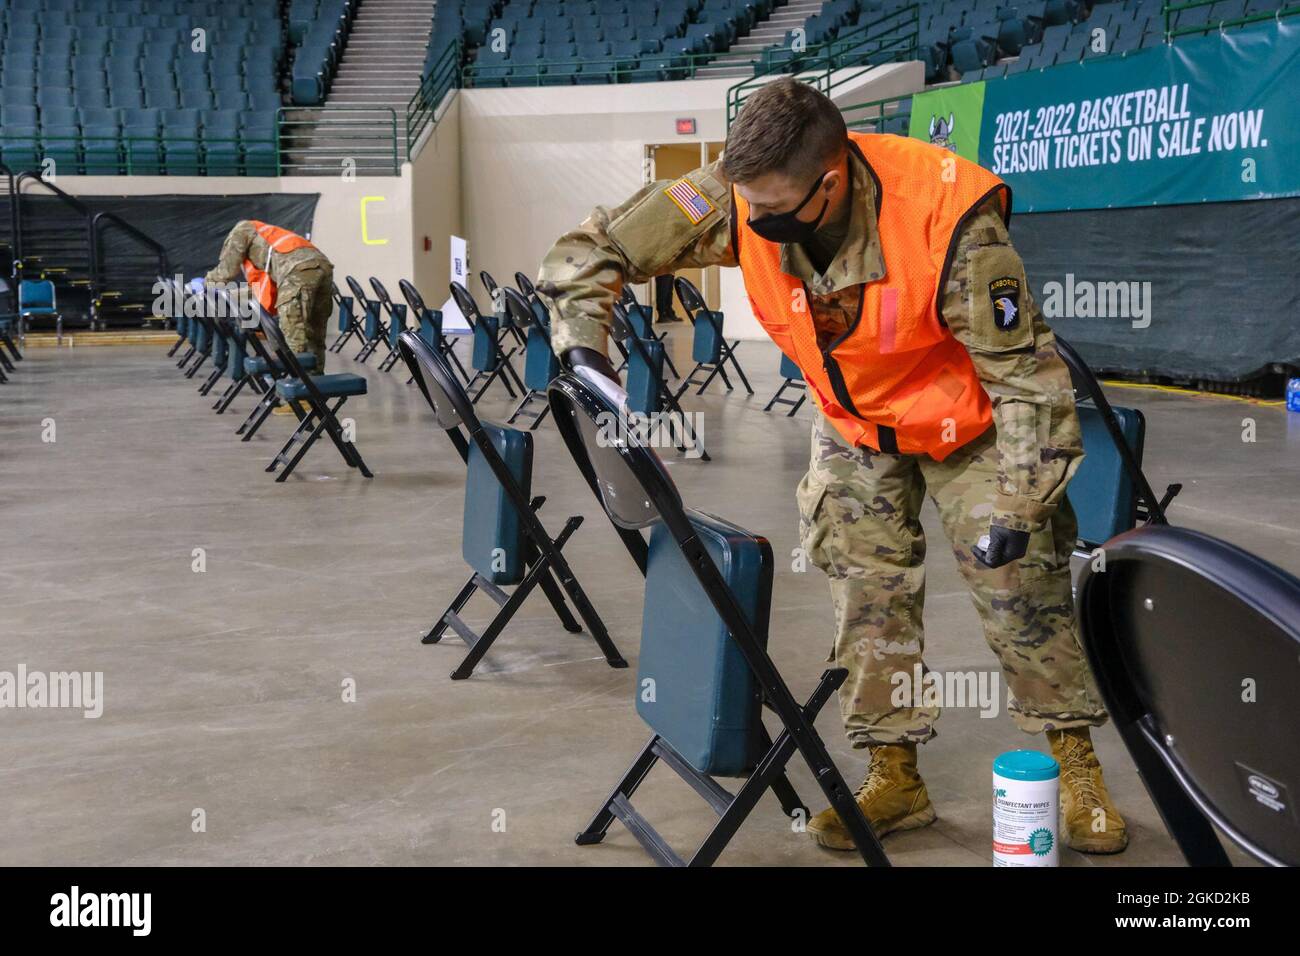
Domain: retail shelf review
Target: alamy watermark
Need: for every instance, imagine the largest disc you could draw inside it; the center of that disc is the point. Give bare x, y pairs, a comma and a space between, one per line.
173, 298
74, 690
1086, 299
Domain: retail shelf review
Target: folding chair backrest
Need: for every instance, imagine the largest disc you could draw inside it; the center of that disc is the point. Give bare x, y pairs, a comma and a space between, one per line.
789, 369
493, 542
428, 321
639, 320
705, 702
36, 295
540, 363
1173, 626
645, 373
706, 345
345, 312
1102, 492
484, 353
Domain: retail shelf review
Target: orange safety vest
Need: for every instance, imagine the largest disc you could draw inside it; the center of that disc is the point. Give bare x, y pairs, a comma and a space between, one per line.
277, 240
898, 380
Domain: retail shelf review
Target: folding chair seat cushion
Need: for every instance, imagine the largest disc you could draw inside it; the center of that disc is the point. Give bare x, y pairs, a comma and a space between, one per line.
706, 345
331, 386
256, 365
492, 538
540, 363
1101, 491
483, 357
705, 701
644, 377
789, 369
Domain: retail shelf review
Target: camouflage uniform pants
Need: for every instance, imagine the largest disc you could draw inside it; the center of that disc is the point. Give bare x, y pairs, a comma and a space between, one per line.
304, 301
860, 511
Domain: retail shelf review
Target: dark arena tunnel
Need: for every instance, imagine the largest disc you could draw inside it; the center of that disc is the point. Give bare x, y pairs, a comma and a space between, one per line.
506, 434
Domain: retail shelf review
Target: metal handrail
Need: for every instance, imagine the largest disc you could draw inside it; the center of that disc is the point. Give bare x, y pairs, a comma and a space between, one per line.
444, 76
63, 197
141, 237
843, 51
353, 121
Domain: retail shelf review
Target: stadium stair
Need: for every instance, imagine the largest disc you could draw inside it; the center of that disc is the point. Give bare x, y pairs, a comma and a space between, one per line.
766, 33
380, 68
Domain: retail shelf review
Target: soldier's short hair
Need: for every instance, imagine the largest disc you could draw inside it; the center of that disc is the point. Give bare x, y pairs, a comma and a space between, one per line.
786, 127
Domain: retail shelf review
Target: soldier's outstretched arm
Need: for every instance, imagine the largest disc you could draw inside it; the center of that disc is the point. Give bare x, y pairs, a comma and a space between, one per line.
666, 226
990, 309
234, 251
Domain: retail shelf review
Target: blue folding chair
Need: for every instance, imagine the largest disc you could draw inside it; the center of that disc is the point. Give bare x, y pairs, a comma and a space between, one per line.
396, 323
429, 322
489, 360
540, 361
36, 300
374, 330
348, 325
705, 673
1109, 493
647, 390
503, 541
709, 347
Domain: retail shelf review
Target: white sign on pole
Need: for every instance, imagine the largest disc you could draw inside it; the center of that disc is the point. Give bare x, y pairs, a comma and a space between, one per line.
452, 320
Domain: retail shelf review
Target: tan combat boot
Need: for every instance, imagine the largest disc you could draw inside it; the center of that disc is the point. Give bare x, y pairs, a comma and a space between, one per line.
892, 797
1090, 823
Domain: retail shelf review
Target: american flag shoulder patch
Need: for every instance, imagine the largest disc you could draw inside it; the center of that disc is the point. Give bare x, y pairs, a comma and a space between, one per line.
689, 200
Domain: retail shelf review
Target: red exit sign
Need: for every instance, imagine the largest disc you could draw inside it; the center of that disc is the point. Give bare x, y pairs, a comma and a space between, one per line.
686, 127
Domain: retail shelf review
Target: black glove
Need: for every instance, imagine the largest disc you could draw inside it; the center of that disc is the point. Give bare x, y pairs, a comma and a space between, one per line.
1004, 547
580, 355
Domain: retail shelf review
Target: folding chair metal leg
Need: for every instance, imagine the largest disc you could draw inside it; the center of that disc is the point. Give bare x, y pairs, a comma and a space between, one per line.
228, 396
768, 773
210, 382
180, 340
777, 399
553, 594
523, 408
729, 355
259, 414
8, 342
190, 372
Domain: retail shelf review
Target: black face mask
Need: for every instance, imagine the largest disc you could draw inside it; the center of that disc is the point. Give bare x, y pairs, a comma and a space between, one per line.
787, 226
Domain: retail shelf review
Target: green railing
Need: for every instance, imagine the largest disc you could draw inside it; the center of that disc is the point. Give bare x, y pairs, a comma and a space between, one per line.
889, 38
874, 113
443, 76
604, 69
325, 140
1170, 9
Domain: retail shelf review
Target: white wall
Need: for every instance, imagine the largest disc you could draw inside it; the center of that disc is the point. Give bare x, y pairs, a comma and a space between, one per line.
535, 161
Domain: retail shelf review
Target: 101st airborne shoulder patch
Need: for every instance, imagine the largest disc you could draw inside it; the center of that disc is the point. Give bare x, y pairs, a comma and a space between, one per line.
1005, 296
693, 203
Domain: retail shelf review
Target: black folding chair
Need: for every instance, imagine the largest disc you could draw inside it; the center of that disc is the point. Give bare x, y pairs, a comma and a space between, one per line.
504, 323
709, 347
503, 541
429, 323
639, 316
704, 671
649, 396
793, 380
1174, 627
487, 358
349, 327
396, 323
1109, 492
374, 330
315, 392
541, 364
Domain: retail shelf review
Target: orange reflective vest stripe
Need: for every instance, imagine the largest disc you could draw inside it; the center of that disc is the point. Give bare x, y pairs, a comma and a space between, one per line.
897, 380
277, 240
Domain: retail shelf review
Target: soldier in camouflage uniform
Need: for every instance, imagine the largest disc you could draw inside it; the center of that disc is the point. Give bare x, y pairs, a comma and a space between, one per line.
303, 285
860, 506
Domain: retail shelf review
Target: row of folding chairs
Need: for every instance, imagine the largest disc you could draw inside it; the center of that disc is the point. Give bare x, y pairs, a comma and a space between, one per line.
251, 354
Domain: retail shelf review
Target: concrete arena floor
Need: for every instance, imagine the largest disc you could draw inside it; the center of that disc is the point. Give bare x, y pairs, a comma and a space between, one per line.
224, 688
